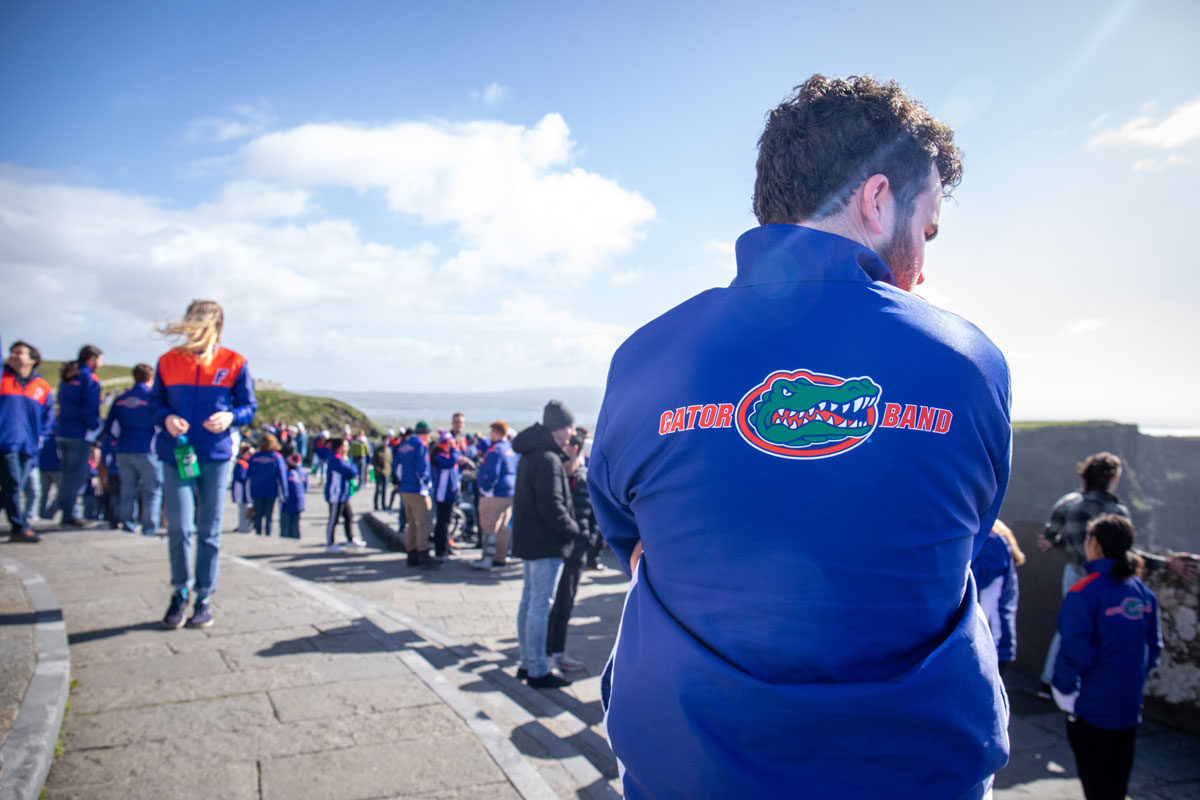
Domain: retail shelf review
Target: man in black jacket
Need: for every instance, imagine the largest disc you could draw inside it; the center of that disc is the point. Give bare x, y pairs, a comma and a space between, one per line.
544, 530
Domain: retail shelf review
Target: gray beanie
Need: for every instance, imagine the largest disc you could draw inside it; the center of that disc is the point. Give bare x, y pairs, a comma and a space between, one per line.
556, 416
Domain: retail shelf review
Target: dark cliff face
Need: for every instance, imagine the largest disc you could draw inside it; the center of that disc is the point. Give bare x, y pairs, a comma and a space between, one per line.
1160, 481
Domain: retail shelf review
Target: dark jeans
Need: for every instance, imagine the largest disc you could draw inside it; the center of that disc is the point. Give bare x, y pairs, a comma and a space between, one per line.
73, 454
13, 469
381, 487
339, 511
445, 509
289, 524
1103, 758
264, 508
564, 598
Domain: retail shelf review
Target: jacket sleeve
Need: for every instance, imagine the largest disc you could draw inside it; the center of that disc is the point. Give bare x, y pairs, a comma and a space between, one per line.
613, 514
47, 419
1006, 647
1154, 641
1077, 627
423, 471
89, 404
108, 422
159, 410
550, 492
244, 402
1053, 531
485, 479
282, 477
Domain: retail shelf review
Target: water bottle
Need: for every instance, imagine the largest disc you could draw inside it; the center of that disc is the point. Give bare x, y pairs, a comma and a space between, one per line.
185, 458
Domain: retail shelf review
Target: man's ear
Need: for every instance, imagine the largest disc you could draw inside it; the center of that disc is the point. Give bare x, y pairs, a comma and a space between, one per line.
874, 203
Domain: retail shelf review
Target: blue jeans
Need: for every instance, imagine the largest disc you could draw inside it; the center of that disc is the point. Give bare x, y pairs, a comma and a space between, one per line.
194, 509
264, 508
141, 480
537, 593
49, 480
73, 454
13, 469
289, 524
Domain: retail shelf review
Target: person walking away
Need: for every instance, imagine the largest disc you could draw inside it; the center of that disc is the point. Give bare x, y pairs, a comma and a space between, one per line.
1110, 641
339, 487
129, 420
360, 450
78, 421
381, 461
267, 476
412, 463
294, 502
200, 390
26, 422
496, 482
544, 530
995, 570
240, 488
568, 582
446, 478
50, 472
321, 454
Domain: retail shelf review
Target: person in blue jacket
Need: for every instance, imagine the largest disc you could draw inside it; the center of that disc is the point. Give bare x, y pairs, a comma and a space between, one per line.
295, 499
200, 390
50, 470
496, 481
995, 571
78, 424
798, 469
130, 421
340, 485
26, 420
445, 477
1110, 641
267, 475
411, 464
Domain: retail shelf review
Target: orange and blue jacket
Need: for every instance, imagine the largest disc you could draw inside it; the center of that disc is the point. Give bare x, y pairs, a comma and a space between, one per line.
186, 386
26, 412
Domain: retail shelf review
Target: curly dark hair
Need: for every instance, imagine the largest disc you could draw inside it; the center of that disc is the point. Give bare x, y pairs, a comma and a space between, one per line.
821, 143
1098, 470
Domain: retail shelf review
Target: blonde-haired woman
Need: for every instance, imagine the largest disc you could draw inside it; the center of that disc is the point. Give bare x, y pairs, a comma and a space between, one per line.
200, 390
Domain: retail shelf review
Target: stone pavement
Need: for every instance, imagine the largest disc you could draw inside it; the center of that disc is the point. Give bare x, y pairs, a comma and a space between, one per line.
354, 676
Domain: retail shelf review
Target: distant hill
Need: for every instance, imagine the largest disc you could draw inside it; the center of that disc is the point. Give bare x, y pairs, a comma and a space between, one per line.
50, 370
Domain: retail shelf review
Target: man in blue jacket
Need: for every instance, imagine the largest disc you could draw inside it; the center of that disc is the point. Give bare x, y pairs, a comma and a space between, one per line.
26, 417
412, 467
798, 469
131, 422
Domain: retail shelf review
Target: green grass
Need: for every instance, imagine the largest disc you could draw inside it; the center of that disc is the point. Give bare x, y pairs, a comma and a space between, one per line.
50, 370
317, 413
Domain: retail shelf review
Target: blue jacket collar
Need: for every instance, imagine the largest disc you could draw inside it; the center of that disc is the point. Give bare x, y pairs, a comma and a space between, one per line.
793, 253
1102, 565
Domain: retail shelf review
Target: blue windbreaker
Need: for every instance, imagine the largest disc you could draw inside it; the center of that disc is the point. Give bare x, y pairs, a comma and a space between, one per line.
445, 474
130, 420
267, 475
1110, 642
810, 458
48, 460
26, 412
186, 386
498, 474
996, 577
79, 405
297, 489
412, 465
337, 484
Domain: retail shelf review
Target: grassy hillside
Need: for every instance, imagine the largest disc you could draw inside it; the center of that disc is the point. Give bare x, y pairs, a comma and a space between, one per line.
51, 369
316, 413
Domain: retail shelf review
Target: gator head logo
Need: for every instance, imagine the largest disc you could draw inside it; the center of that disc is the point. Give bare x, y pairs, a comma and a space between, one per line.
1132, 608
805, 414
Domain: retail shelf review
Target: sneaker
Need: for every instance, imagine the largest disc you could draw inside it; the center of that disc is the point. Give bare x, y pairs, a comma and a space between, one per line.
358, 543
174, 616
201, 614
568, 662
522, 673
548, 681
1044, 692
26, 535
334, 548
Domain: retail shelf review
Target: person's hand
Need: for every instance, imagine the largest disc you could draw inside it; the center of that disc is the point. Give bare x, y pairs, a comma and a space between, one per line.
635, 558
1184, 565
176, 425
219, 421
1044, 544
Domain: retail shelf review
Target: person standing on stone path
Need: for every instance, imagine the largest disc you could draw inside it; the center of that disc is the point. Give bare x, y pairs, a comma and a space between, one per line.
412, 466
200, 390
26, 420
568, 582
295, 499
130, 421
496, 482
240, 487
381, 462
267, 476
341, 484
78, 424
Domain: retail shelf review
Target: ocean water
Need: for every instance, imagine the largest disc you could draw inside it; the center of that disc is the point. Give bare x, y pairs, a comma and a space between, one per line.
519, 408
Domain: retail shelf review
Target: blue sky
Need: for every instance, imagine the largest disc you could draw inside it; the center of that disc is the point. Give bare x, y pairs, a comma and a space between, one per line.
465, 196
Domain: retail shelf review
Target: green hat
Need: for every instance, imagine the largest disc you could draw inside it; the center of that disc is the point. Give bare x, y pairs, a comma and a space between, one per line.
422, 427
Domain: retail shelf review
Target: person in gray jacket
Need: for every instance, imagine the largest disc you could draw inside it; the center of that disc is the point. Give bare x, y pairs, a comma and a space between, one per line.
544, 530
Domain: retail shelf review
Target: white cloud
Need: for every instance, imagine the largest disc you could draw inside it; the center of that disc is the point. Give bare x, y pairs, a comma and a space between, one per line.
258, 200
626, 277
492, 95
1159, 164
242, 122
1178, 128
1082, 326
514, 199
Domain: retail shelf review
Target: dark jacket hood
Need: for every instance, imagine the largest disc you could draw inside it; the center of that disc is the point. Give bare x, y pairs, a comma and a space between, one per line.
534, 439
